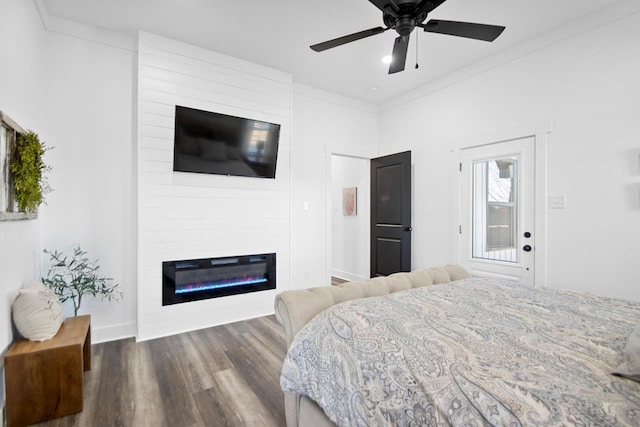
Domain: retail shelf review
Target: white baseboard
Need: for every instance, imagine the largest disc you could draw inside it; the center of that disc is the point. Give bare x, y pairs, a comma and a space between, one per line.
348, 276
112, 333
492, 275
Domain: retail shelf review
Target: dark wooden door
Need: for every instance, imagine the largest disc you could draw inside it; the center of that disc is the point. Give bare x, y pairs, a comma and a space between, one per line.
391, 214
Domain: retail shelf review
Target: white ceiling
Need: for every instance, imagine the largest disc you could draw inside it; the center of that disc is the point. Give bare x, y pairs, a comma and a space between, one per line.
278, 33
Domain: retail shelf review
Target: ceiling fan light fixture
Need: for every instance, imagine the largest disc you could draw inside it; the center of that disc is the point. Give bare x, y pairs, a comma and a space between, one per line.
387, 59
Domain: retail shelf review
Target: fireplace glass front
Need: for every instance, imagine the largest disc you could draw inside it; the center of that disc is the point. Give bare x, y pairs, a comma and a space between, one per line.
197, 279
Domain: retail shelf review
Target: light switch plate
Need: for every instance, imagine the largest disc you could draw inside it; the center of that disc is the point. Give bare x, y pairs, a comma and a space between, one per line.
557, 202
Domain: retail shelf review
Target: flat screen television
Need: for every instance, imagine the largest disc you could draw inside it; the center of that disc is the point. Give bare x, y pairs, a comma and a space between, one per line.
207, 142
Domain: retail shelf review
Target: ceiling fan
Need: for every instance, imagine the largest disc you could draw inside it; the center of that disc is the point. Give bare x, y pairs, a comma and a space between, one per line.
403, 16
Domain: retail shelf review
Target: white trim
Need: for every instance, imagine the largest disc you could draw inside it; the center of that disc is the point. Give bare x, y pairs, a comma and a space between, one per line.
324, 96
540, 131
491, 275
494, 136
357, 151
86, 32
113, 332
348, 276
540, 213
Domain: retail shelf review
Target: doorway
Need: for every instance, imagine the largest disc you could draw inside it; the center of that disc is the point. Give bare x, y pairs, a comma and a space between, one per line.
349, 237
497, 210
349, 218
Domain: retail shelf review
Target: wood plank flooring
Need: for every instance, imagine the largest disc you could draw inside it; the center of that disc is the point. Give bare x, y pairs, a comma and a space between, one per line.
337, 280
228, 375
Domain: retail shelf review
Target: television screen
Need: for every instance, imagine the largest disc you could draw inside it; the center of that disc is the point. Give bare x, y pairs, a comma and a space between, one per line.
207, 142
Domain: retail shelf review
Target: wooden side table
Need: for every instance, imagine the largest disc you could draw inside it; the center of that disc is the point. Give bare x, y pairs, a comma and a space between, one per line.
44, 380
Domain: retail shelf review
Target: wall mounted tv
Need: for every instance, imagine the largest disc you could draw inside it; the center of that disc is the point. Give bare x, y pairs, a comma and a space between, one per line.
207, 142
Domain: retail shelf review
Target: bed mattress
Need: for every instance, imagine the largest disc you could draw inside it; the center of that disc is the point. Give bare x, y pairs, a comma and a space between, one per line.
473, 352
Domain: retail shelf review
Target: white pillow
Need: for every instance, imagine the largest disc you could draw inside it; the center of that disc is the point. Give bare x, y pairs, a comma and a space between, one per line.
37, 312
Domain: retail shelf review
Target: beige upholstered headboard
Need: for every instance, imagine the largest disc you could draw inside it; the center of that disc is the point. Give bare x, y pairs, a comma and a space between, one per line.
295, 308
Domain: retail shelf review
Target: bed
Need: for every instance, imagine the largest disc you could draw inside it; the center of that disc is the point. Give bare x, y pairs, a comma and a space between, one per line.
462, 351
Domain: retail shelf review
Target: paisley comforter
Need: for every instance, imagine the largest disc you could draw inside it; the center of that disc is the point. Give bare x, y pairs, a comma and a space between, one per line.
474, 352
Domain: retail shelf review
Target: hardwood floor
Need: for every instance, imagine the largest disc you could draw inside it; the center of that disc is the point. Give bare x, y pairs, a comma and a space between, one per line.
223, 376
337, 280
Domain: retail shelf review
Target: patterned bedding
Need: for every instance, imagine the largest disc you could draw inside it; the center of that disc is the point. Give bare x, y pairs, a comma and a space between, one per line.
474, 352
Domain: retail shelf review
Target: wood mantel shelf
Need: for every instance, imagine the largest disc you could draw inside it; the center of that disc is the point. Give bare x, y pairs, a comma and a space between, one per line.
44, 380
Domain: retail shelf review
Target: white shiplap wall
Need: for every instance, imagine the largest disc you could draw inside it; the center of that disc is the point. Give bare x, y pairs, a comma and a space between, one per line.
184, 215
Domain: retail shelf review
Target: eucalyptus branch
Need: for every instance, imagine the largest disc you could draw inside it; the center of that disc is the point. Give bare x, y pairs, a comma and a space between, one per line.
72, 277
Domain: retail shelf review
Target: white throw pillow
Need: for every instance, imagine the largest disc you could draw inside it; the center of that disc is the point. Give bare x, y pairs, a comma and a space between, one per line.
37, 312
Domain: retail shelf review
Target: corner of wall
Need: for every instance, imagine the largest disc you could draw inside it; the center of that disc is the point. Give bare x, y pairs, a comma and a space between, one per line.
86, 32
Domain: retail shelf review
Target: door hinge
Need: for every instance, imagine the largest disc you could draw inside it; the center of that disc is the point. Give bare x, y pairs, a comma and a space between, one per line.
460, 167
460, 229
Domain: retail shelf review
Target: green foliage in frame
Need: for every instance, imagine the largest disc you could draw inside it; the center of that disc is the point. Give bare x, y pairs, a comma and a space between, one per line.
28, 171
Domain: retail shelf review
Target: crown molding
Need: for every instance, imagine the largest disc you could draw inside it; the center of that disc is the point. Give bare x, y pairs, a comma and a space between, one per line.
86, 32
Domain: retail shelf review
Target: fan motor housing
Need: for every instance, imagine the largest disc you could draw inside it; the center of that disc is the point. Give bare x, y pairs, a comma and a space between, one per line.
405, 20
405, 25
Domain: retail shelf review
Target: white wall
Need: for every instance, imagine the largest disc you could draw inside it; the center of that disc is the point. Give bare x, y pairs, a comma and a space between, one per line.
188, 215
585, 80
78, 89
21, 83
323, 123
76, 93
89, 96
350, 234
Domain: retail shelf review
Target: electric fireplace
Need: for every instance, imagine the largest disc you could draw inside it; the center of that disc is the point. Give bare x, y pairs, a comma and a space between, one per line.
197, 279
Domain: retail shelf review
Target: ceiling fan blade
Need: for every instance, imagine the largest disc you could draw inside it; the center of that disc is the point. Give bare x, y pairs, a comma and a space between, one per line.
399, 55
427, 6
347, 39
464, 29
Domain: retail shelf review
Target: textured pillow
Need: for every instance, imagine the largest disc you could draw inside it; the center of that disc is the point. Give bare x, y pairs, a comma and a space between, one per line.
630, 367
37, 312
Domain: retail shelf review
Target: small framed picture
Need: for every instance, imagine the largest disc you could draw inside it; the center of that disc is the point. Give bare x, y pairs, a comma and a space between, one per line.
350, 201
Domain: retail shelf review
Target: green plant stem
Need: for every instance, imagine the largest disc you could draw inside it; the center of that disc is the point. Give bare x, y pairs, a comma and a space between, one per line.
72, 277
